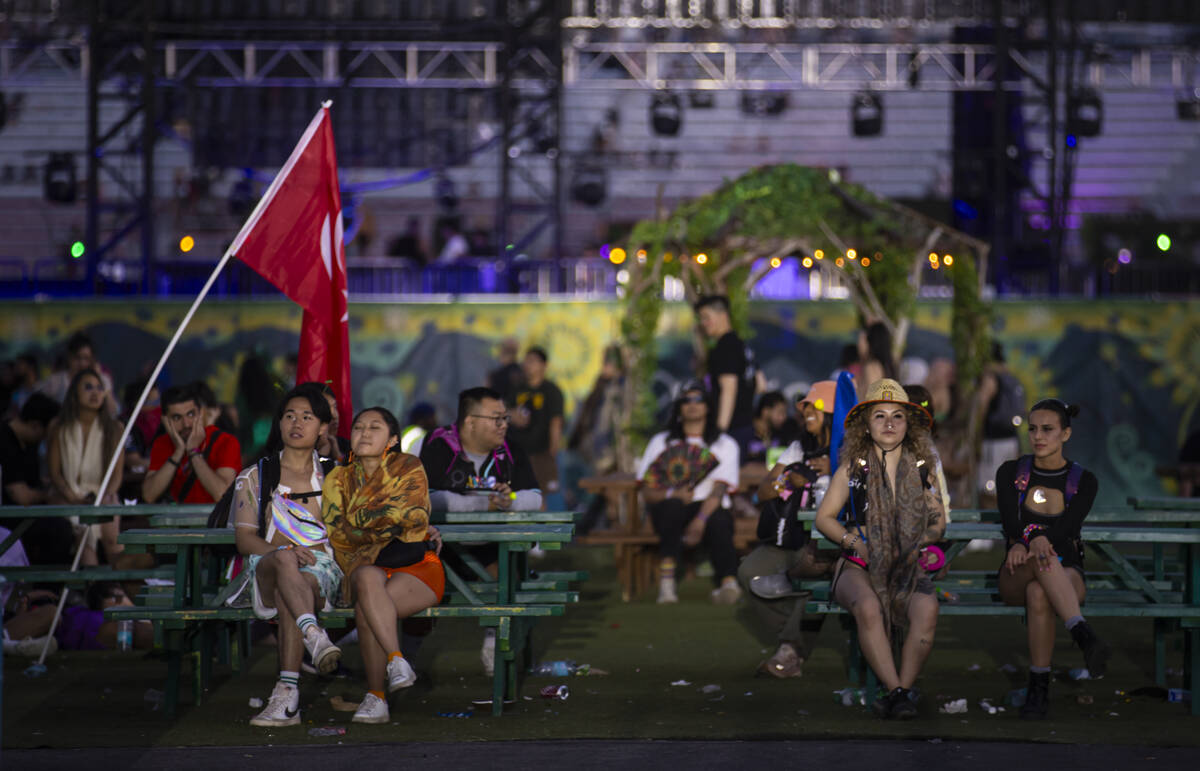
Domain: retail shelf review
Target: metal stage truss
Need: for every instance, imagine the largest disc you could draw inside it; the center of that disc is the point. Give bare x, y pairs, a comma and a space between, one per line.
846, 14
620, 66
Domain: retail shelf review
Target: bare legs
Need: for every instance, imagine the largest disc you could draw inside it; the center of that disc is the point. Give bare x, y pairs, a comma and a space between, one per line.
855, 593
380, 602
1056, 591
293, 594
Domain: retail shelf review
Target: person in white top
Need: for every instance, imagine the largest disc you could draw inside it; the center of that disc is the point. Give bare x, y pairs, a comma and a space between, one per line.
289, 569
687, 473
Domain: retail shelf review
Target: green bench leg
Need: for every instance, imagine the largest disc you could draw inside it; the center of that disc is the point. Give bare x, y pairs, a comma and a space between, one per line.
1161, 627
1191, 665
173, 641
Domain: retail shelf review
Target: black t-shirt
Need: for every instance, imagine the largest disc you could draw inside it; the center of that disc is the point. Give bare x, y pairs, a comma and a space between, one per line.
543, 403
17, 462
730, 356
1062, 529
448, 469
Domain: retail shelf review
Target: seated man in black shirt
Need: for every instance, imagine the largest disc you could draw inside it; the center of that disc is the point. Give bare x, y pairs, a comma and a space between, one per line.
471, 467
49, 540
19, 441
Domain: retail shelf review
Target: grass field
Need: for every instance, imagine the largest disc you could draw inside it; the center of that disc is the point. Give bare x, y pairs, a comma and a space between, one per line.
99, 699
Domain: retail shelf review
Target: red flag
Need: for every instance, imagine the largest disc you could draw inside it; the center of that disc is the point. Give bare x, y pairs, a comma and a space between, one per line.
294, 240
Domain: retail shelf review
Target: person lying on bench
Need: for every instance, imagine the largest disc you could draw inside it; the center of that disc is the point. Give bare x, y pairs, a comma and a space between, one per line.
81, 627
377, 512
289, 567
1043, 500
885, 472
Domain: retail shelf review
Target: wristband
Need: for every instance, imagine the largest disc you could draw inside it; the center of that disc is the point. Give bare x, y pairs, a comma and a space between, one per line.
194, 452
172, 461
286, 547
1030, 532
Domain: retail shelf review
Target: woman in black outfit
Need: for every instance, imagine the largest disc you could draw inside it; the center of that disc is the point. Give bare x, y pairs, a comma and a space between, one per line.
1043, 500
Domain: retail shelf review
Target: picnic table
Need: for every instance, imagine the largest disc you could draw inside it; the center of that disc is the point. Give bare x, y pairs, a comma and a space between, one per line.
1117, 587
191, 620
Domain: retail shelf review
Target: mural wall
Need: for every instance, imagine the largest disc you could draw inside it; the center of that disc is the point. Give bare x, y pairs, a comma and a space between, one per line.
1133, 366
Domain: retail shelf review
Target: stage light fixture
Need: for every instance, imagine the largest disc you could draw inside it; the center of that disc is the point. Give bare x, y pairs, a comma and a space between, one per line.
1163, 242
807, 262
589, 186
764, 103
1085, 113
866, 114
186, 244
776, 262
77, 250
666, 114
616, 255
1187, 106
60, 182
702, 259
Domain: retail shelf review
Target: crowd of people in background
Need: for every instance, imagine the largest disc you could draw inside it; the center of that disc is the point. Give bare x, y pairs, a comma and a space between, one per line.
321, 519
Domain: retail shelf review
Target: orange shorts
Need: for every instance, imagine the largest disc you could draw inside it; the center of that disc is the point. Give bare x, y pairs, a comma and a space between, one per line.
428, 571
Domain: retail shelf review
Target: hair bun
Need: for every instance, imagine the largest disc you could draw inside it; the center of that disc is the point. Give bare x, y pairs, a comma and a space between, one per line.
1072, 409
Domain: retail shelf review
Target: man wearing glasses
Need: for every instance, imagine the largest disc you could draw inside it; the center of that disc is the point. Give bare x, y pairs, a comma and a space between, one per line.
471, 467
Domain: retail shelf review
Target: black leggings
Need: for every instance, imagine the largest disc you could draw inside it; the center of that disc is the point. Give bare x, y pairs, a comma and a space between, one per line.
671, 517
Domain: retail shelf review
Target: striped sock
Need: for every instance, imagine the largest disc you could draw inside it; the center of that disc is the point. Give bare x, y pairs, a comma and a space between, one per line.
378, 694
290, 678
666, 568
394, 655
305, 620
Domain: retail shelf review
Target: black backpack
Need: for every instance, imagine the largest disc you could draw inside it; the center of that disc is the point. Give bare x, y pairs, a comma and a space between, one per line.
268, 479
1007, 406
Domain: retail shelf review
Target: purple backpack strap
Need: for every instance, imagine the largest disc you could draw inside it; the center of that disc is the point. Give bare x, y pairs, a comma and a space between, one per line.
1073, 477
1021, 480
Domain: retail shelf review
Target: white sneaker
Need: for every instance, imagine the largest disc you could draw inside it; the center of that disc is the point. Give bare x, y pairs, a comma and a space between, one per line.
728, 593
487, 654
282, 709
400, 674
325, 655
666, 591
372, 710
30, 647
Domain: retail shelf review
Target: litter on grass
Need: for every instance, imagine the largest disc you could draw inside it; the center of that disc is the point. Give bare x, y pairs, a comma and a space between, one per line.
255, 702
710, 688
850, 696
956, 707
681, 682
341, 705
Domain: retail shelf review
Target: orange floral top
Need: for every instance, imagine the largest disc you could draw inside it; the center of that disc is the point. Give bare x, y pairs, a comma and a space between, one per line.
364, 514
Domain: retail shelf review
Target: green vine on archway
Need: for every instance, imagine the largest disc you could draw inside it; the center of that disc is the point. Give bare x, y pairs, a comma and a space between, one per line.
724, 243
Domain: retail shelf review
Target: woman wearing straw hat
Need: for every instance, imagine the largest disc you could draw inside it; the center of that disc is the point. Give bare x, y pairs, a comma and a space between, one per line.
885, 474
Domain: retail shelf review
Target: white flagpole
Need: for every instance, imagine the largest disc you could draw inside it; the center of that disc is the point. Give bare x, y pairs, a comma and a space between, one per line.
251, 221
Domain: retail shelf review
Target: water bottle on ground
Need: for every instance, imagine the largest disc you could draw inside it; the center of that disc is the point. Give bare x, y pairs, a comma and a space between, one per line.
125, 635
555, 668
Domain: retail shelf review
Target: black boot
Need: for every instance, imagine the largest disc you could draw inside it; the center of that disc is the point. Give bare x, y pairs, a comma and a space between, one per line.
902, 705
1095, 650
1037, 698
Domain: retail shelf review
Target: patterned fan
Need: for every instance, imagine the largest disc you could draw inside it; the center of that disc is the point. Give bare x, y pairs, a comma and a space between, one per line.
681, 465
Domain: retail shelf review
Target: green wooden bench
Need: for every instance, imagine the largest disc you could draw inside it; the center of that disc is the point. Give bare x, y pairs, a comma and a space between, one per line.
1120, 590
189, 624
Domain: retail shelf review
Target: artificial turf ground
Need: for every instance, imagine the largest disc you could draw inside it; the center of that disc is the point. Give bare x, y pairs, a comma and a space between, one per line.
98, 699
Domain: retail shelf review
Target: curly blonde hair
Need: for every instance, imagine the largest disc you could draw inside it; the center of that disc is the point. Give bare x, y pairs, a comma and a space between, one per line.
857, 442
